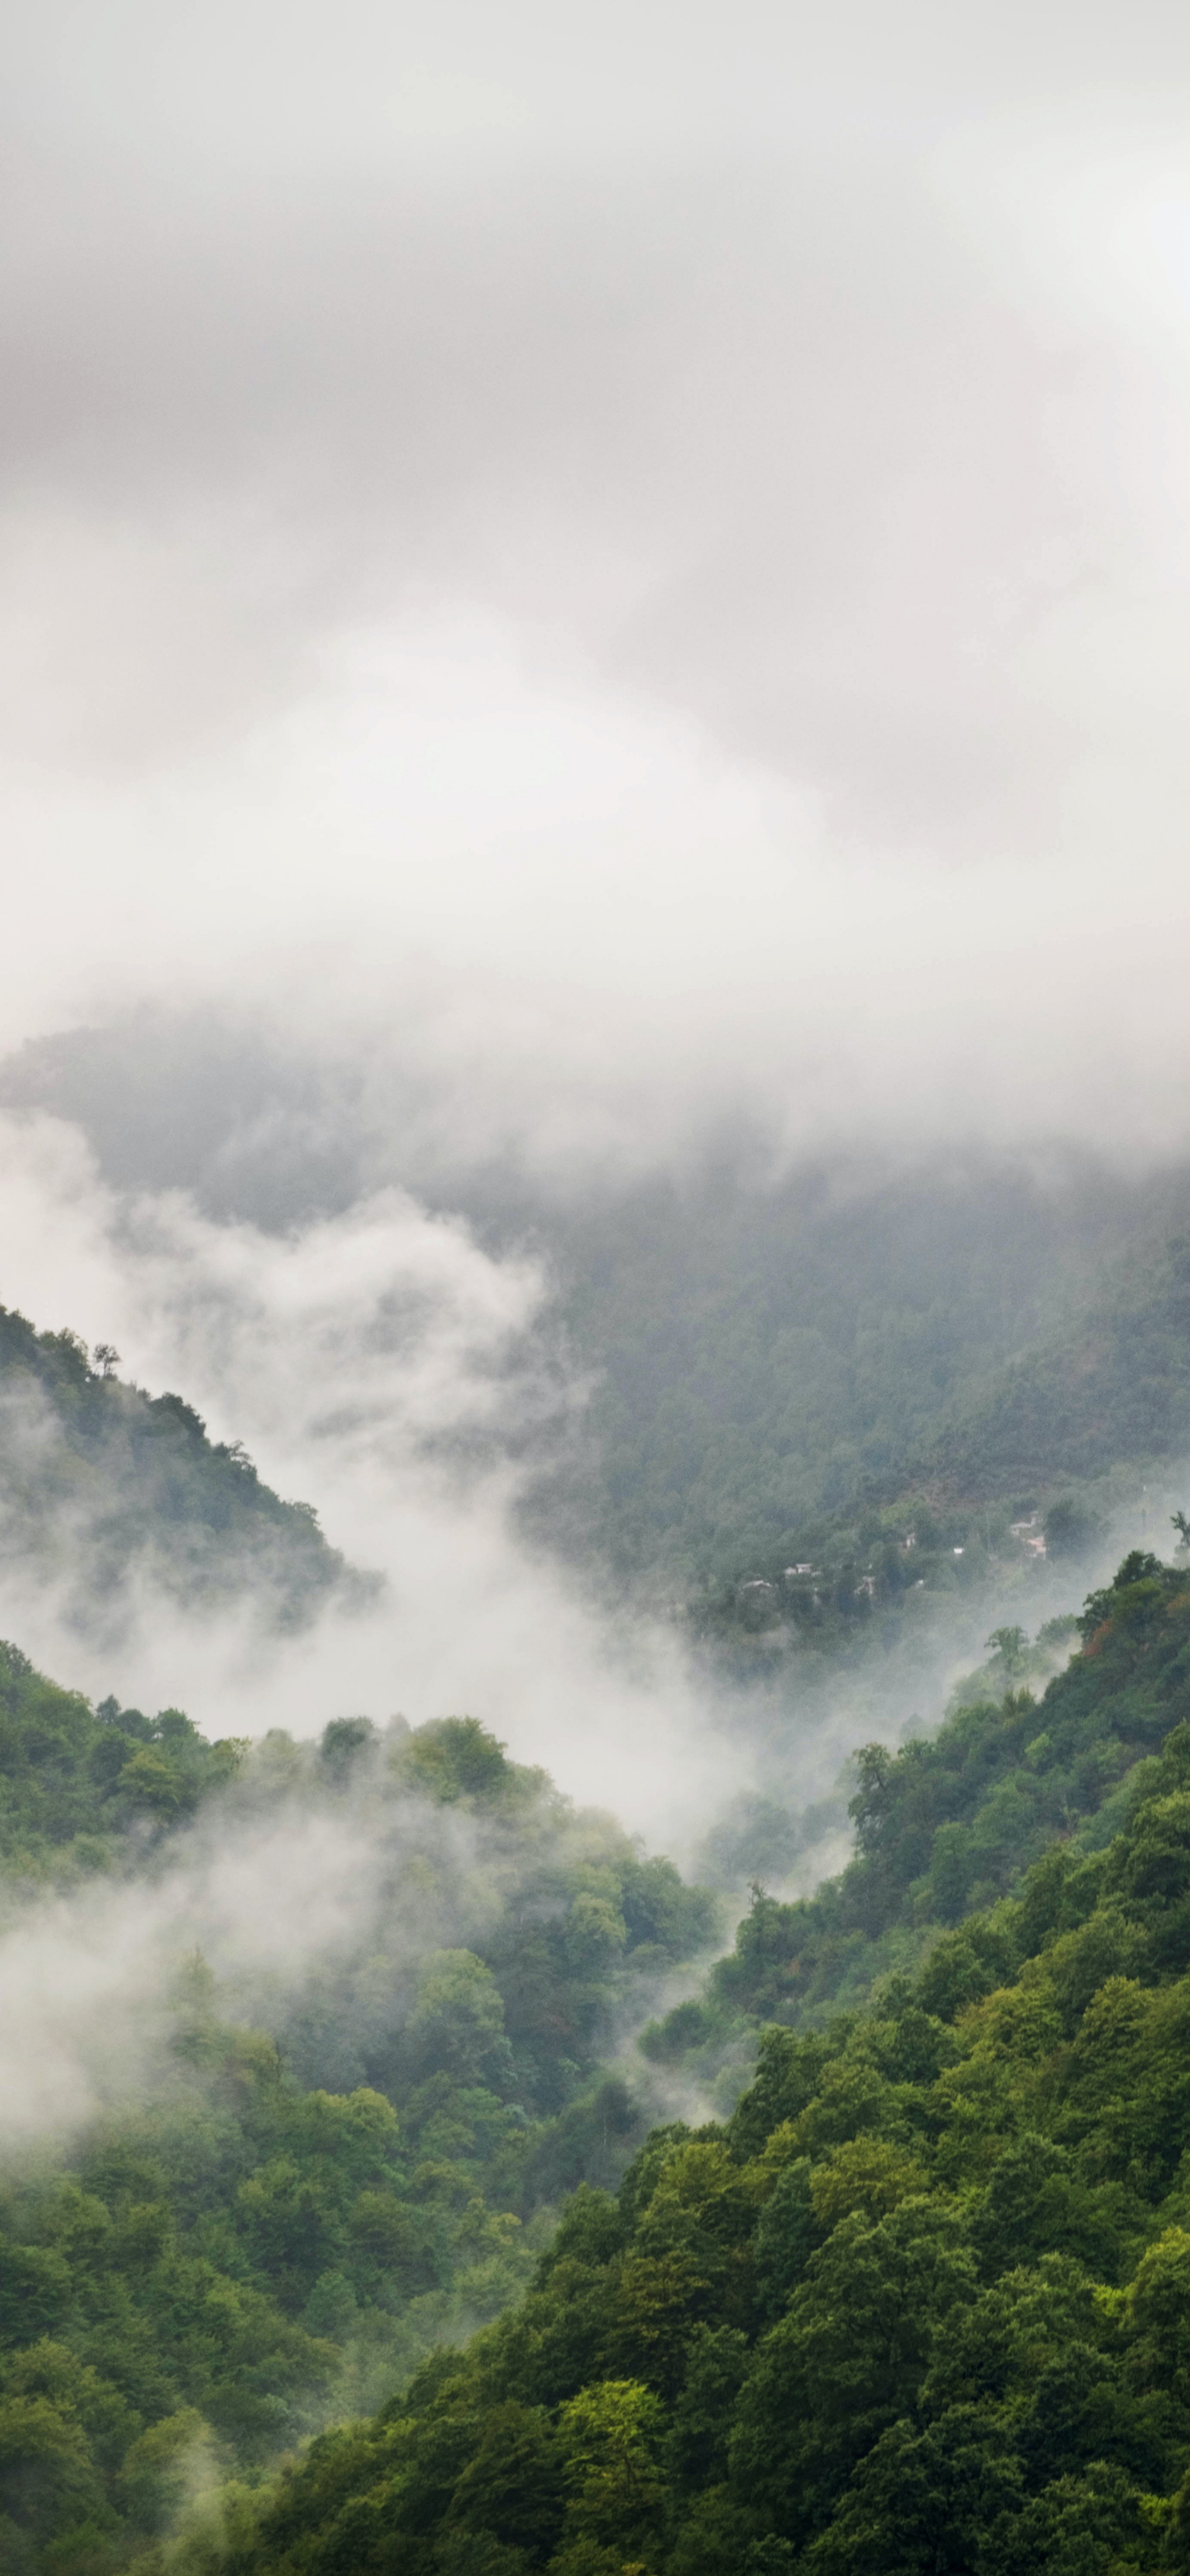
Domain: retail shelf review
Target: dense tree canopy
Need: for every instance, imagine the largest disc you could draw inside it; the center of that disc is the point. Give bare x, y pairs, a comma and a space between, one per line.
920, 2304
283, 2221
916, 2303
948, 1823
100, 1480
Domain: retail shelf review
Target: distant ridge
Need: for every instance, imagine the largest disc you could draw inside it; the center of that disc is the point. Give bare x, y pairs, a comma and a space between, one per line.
101, 1482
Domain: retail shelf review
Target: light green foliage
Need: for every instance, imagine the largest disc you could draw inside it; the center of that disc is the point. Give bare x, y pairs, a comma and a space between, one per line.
74, 1779
611, 2438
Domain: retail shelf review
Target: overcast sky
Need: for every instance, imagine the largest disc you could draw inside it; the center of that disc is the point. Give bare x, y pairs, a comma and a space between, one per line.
611, 566
645, 547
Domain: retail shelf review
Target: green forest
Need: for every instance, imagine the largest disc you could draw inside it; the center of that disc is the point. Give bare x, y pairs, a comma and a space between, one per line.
554, 2212
920, 2303
100, 1480
287, 2216
779, 1365
595, 1701
915, 2298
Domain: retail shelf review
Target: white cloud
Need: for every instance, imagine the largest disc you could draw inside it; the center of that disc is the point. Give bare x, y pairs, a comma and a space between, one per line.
384, 1367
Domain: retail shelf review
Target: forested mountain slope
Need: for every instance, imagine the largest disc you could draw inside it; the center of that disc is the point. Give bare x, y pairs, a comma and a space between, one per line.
100, 1482
919, 2305
769, 1353
77, 1783
1111, 1383
770, 1356
1058, 1443
916, 2303
946, 1825
317, 2174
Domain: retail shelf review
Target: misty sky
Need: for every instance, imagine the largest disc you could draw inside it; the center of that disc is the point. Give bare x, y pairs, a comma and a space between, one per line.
642, 553
608, 571
630, 564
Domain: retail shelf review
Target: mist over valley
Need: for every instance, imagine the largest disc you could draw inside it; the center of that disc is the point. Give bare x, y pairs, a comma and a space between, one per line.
594, 1292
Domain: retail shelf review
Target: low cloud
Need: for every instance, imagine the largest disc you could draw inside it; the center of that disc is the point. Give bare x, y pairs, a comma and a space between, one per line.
642, 574
386, 1368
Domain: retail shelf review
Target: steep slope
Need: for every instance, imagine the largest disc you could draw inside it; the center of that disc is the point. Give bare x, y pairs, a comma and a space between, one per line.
101, 1483
1112, 1383
313, 2172
920, 2305
948, 1823
765, 1351
768, 1356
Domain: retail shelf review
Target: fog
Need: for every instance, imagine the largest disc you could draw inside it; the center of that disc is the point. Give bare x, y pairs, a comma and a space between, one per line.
313, 1904
588, 585
383, 1366
643, 561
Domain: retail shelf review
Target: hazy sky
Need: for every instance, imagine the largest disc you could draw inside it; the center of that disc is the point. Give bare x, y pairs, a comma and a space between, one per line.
636, 560
608, 567
643, 551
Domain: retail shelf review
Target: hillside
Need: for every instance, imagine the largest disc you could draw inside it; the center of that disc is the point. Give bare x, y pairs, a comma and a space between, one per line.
314, 2173
1113, 1383
946, 1825
101, 1483
323, 2179
920, 2304
771, 1355
77, 1783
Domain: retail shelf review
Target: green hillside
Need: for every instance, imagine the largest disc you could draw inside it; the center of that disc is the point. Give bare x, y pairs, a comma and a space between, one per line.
946, 1825
916, 2303
1060, 1440
301, 2199
768, 1358
769, 1353
76, 1782
100, 1482
1113, 1383
919, 2305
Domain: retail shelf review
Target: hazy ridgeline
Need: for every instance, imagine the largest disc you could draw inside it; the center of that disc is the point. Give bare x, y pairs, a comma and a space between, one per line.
107, 1491
596, 1422
765, 1355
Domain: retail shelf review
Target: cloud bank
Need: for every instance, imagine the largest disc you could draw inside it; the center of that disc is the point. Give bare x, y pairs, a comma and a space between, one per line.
386, 1367
640, 562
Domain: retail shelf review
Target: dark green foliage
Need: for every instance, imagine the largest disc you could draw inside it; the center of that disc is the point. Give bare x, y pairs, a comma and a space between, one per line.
952, 1821
136, 1483
206, 2280
767, 1353
920, 2307
74, 1779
